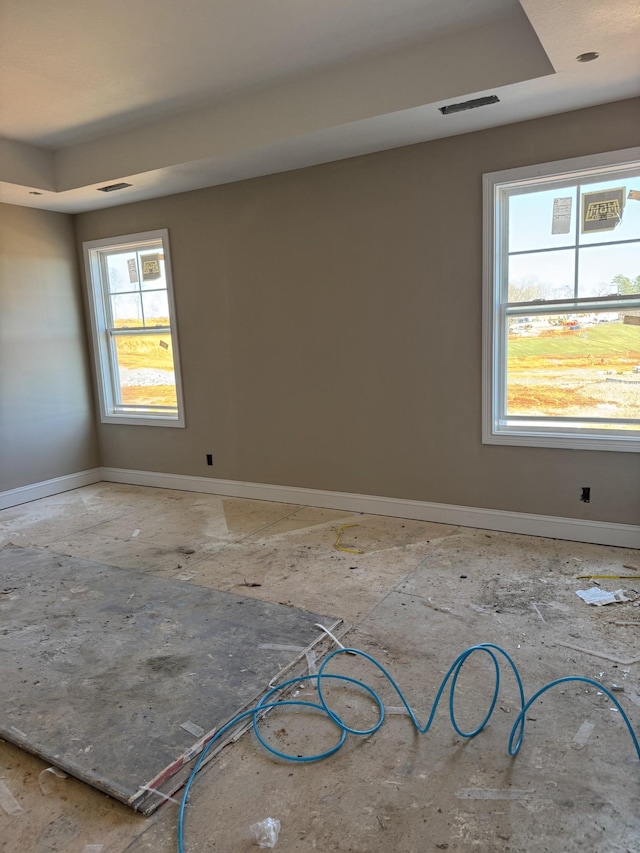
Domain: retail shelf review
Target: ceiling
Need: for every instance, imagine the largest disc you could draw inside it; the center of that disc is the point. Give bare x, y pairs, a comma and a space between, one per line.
172, 96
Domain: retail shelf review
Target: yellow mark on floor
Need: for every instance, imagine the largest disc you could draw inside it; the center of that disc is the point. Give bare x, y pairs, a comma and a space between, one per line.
340, 547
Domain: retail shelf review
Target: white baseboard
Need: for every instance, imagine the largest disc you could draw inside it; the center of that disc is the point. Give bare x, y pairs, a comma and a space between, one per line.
24, 494
572, 529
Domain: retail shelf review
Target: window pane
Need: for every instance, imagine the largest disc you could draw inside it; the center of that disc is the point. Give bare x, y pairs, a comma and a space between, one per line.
146, 370
533, 219
542, 275
126, 310
122, 271
628, 227
605, 270
576, 365
156, 308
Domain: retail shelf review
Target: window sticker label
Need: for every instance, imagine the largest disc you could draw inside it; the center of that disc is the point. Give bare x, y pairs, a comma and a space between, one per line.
150, 267
561, 215
602, 211
133, 270
634, 194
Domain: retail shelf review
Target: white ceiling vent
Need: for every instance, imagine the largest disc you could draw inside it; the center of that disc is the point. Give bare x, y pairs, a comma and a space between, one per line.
469, 105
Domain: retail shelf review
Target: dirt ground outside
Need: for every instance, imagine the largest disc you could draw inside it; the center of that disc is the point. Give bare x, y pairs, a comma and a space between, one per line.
592, 373
569, 388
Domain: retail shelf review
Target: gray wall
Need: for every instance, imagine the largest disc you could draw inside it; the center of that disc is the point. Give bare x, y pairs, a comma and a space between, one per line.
330, 328
46, 411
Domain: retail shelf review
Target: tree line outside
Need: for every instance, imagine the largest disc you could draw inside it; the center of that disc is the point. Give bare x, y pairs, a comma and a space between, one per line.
531, 290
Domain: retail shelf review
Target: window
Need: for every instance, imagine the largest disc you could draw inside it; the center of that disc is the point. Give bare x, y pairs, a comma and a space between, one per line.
134, 334
561, 360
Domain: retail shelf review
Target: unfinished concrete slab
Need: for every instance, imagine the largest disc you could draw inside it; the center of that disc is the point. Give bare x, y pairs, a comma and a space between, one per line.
119, 677
571, 789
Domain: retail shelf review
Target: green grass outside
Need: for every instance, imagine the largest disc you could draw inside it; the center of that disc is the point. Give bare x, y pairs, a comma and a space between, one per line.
594, 340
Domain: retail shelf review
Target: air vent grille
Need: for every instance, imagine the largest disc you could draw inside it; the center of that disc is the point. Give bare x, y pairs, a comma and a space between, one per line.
110, 188
469, 105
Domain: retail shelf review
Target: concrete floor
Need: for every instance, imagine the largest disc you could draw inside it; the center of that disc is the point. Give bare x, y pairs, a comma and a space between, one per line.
419, 594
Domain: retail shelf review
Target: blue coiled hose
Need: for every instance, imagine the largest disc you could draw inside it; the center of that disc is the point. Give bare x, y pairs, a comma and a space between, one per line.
270, 700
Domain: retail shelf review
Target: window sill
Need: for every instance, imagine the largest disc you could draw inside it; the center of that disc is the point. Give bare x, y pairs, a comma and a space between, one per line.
143, 420
562, 440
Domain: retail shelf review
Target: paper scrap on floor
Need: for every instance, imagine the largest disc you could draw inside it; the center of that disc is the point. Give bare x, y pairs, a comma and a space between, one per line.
598, 596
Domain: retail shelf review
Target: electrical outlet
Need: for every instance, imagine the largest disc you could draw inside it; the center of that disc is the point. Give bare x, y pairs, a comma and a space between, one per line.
209, 458
585, 497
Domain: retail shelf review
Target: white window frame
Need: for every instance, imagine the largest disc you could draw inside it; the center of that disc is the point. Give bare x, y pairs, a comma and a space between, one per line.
99, 309
534, 432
